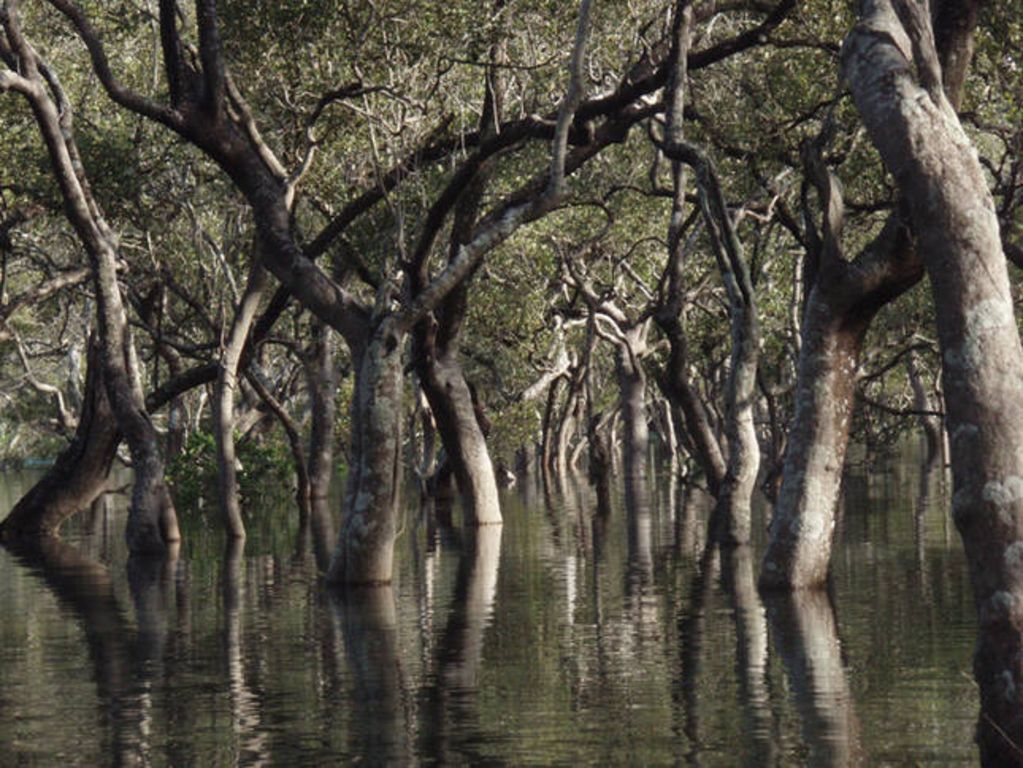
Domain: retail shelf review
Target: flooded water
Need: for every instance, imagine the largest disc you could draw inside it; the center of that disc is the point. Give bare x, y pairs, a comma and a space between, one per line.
560, 639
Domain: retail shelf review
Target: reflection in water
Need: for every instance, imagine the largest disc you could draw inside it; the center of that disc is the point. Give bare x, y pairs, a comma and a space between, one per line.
448, 703
368, 619
692, 632
806, 635
246, 723
564, 637
739, 581
639, 580
692, 506
122, 677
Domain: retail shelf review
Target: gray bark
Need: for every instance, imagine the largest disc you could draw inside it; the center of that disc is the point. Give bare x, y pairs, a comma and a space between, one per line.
152, 522
918, 134
843, 299
322, 376
223, 401
365, 547
930, 423
731, 520
632, 396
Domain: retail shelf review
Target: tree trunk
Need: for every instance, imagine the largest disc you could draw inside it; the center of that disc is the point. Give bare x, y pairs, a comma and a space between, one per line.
844, 298
696, 428
803, 524
79, 476
632, 395
365, 547
733, 511
322, 376
732, 514
919, 136
223, 401
152, 522
465, 445
930, 423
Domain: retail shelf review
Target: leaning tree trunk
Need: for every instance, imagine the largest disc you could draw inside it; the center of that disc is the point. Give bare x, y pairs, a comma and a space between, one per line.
365, 547
839, 309
79, 476
437, 341
803, 523
465, 445
674, 378
151, 518
918, 134
223, 401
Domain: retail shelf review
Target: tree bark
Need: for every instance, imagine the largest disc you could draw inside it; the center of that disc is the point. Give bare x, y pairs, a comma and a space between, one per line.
79, 476
844, 299
322, 376
632, 396
731, 520
919, 136
365, 548
152, 522
465, 445
223, 401
930, 423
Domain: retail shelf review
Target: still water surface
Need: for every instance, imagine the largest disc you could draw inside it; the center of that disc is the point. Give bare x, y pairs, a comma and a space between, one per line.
563, 639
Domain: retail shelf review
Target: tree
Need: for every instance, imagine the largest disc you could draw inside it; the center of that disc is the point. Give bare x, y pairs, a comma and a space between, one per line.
894, 70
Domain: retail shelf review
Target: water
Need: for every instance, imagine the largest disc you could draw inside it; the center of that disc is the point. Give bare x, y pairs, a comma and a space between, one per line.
561, 639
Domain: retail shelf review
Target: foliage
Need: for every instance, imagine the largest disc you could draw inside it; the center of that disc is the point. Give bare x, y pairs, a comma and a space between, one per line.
265, 473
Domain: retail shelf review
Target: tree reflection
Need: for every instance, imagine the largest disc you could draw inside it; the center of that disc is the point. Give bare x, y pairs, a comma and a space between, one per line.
692, 625
122, 673
245, 704
449, 702
369, 625
739, 582
806, 635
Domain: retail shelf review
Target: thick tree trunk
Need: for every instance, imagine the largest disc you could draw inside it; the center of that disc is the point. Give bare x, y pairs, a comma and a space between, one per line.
79, 476
223, 401
365, 547
803, 524
465, 445
437, 341
844, 298
919, 136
